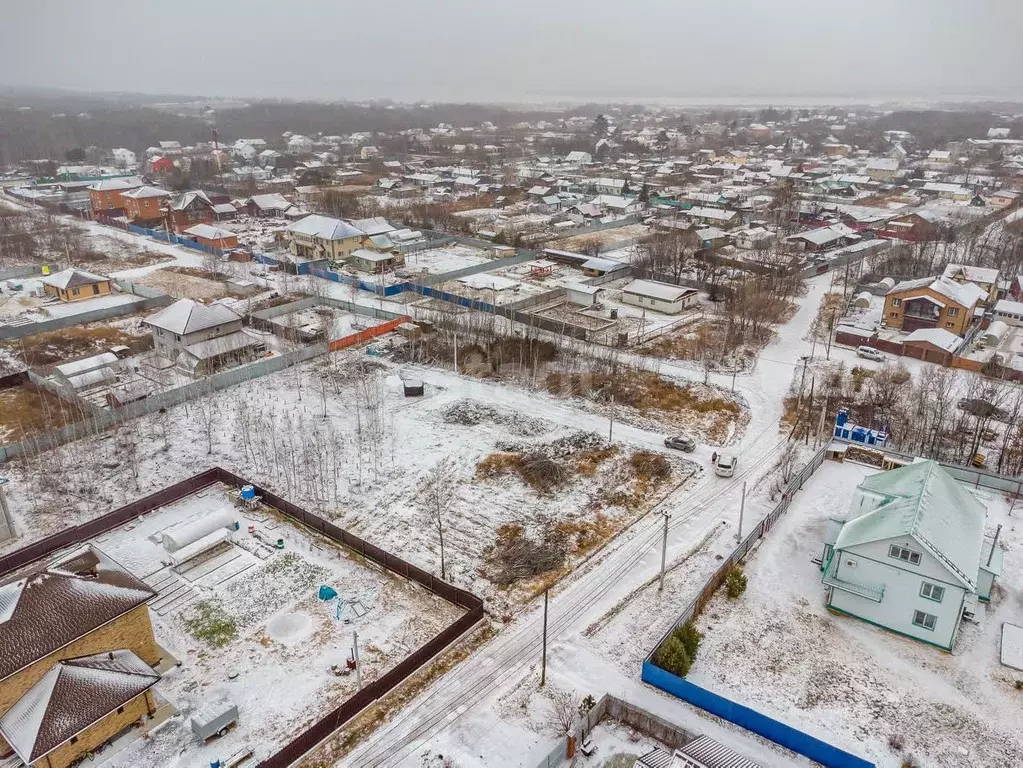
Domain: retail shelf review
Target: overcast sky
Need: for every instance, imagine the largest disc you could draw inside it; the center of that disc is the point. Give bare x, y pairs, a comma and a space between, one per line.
519, 50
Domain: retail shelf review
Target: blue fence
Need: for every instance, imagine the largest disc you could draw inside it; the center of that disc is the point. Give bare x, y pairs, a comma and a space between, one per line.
451, 298
337, 277
169, 237
781, 734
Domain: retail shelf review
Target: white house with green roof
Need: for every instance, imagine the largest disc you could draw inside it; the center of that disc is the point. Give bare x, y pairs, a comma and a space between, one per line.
912, 556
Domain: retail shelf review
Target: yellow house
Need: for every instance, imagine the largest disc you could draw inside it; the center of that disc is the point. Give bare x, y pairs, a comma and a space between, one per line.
932, 303
985, 278
75, 285
77, 649
323, 237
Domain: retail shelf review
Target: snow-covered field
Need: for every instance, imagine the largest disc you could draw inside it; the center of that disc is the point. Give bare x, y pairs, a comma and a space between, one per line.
447, 258
778, 650
276, 665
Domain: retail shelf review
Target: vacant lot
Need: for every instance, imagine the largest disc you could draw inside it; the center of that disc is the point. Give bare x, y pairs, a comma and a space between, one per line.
27, 410
185, 283
54, 347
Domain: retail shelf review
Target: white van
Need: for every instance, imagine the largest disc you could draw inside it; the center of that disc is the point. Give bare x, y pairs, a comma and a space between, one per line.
870, 353
725, 465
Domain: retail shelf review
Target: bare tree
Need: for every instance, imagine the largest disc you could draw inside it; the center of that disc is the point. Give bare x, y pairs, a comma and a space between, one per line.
562, 711
438, 491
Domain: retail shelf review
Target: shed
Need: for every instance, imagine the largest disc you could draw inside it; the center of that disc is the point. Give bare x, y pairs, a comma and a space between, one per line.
413, 387
583, 295
660, 297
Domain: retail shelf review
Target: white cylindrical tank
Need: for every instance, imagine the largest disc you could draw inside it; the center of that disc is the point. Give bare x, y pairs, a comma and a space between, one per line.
182, 535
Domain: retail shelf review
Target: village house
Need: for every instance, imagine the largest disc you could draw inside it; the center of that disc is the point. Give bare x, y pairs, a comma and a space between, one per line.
323, 237
123, 157
105, 196
984, 278
835, 236
717, 217
76, 658
882, 169
75, 285
374, 261
659, 297
144, 205
931, 303
272, 205
201, 338
946, 191
1009, 312
913, 227
161, 164
212, 237
606, 186
188, 209
911, 556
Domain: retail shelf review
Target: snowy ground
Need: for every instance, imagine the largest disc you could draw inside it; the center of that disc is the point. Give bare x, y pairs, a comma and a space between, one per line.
278, 667
778, 650
447, 258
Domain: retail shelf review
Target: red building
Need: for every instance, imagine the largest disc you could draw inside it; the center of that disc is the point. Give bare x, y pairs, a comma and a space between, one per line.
188, 209
161, 164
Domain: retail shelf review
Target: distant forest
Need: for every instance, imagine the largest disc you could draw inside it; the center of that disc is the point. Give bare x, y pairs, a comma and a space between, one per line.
85, 121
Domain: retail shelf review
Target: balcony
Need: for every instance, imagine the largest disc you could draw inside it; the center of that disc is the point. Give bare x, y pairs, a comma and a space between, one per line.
863, 589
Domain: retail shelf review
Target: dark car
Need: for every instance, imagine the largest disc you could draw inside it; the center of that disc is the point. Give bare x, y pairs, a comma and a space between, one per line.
680, 443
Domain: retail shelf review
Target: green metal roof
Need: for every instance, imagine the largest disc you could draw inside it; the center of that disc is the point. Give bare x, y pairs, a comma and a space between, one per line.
923, 501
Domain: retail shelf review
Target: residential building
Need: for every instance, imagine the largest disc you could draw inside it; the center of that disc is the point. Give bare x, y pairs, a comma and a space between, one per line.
273, 205
201, 337
123, 157
577, 157
932, 303
911, 555
882, 169
659, 297
606, 186
76, 658
717, 217
145, 204
105, 195
212, 237
823, 238
323, 237
914, 227
75, 285
373, 261
188, 209
984, 278
1009, 312
161, 164
946, 191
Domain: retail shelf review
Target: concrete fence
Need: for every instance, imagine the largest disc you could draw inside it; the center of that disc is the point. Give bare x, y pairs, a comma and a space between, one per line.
33, 270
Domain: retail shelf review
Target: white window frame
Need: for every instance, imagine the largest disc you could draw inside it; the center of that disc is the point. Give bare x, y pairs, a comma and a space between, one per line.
896, 302
896, 552
930, 591
922, 619
953, 311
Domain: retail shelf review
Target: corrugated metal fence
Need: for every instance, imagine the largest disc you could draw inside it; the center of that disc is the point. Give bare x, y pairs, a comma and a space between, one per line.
312, 736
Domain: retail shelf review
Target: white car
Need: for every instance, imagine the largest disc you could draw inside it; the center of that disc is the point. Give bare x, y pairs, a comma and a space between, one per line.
869, 353
725, 464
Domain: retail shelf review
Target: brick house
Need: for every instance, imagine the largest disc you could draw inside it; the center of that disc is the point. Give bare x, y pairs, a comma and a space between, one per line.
77, 651
985, 278
932, 303
105, 196
145, 204
212, 237
323, 237
188, 209
912, 227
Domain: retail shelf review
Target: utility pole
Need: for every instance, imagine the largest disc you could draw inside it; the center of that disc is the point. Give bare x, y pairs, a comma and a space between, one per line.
355, 655
456, 352
742, 511
733, 372
664, 548
809, 412
611, 427
831, 328
543, 662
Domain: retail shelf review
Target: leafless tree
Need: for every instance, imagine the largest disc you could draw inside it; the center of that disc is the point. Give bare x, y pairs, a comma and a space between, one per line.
438, 491
562, 711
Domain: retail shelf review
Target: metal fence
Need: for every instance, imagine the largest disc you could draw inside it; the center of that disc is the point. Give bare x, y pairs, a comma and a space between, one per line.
372, 691
34, 270
697, 604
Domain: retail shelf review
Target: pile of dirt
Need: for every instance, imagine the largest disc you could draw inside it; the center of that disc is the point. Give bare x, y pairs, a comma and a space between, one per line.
471, 413
561, 448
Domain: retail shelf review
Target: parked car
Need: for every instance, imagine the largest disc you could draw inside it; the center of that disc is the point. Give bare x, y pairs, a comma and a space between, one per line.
680, 443
724, 465
869, 353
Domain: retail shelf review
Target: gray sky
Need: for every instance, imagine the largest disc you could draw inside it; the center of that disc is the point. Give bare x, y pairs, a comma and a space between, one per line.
520, 50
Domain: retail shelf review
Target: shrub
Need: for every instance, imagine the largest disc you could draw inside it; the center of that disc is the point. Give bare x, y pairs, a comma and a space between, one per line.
896, 742
673, 657
735, 582
690, 637
650, 465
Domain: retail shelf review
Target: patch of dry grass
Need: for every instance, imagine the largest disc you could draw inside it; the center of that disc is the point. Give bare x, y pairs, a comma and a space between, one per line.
27, 410
65, 344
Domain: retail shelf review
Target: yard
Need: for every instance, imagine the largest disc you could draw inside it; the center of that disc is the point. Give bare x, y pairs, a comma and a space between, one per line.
881, 696
247, 626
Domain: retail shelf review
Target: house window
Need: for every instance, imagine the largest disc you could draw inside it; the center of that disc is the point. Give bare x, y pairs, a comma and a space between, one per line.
893, 314
925, 620
896, 302
120, 710
932, 592
95, 289
74, 291
903, 554
953, 311
74, 739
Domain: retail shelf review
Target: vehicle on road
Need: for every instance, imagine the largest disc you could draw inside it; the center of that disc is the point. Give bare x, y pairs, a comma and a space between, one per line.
680, 443
869, 353
724, 464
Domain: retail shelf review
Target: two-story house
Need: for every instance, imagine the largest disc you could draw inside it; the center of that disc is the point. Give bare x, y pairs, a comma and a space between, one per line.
985, 278
323, 237
201, 337
76, 658
188, 209
932, 303
145, 204
105, 196
911, 556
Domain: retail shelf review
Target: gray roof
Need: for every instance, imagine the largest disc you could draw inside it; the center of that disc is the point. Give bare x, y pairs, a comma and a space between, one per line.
188, 316
924, 501
711, 754
324, 227
70, 697
72, 278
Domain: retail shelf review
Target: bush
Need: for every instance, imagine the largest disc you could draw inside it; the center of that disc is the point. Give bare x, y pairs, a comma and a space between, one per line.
896, 742
678, 652
650, 465
735, 582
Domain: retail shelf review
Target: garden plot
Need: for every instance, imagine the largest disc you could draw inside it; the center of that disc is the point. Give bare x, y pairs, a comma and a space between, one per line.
42, 350
258, 233
881, 696
326, 323
447, 258
247, 625
604, 239
185, 283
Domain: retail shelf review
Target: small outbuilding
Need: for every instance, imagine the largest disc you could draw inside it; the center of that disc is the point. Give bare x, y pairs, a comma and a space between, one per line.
659, 297
75, 285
